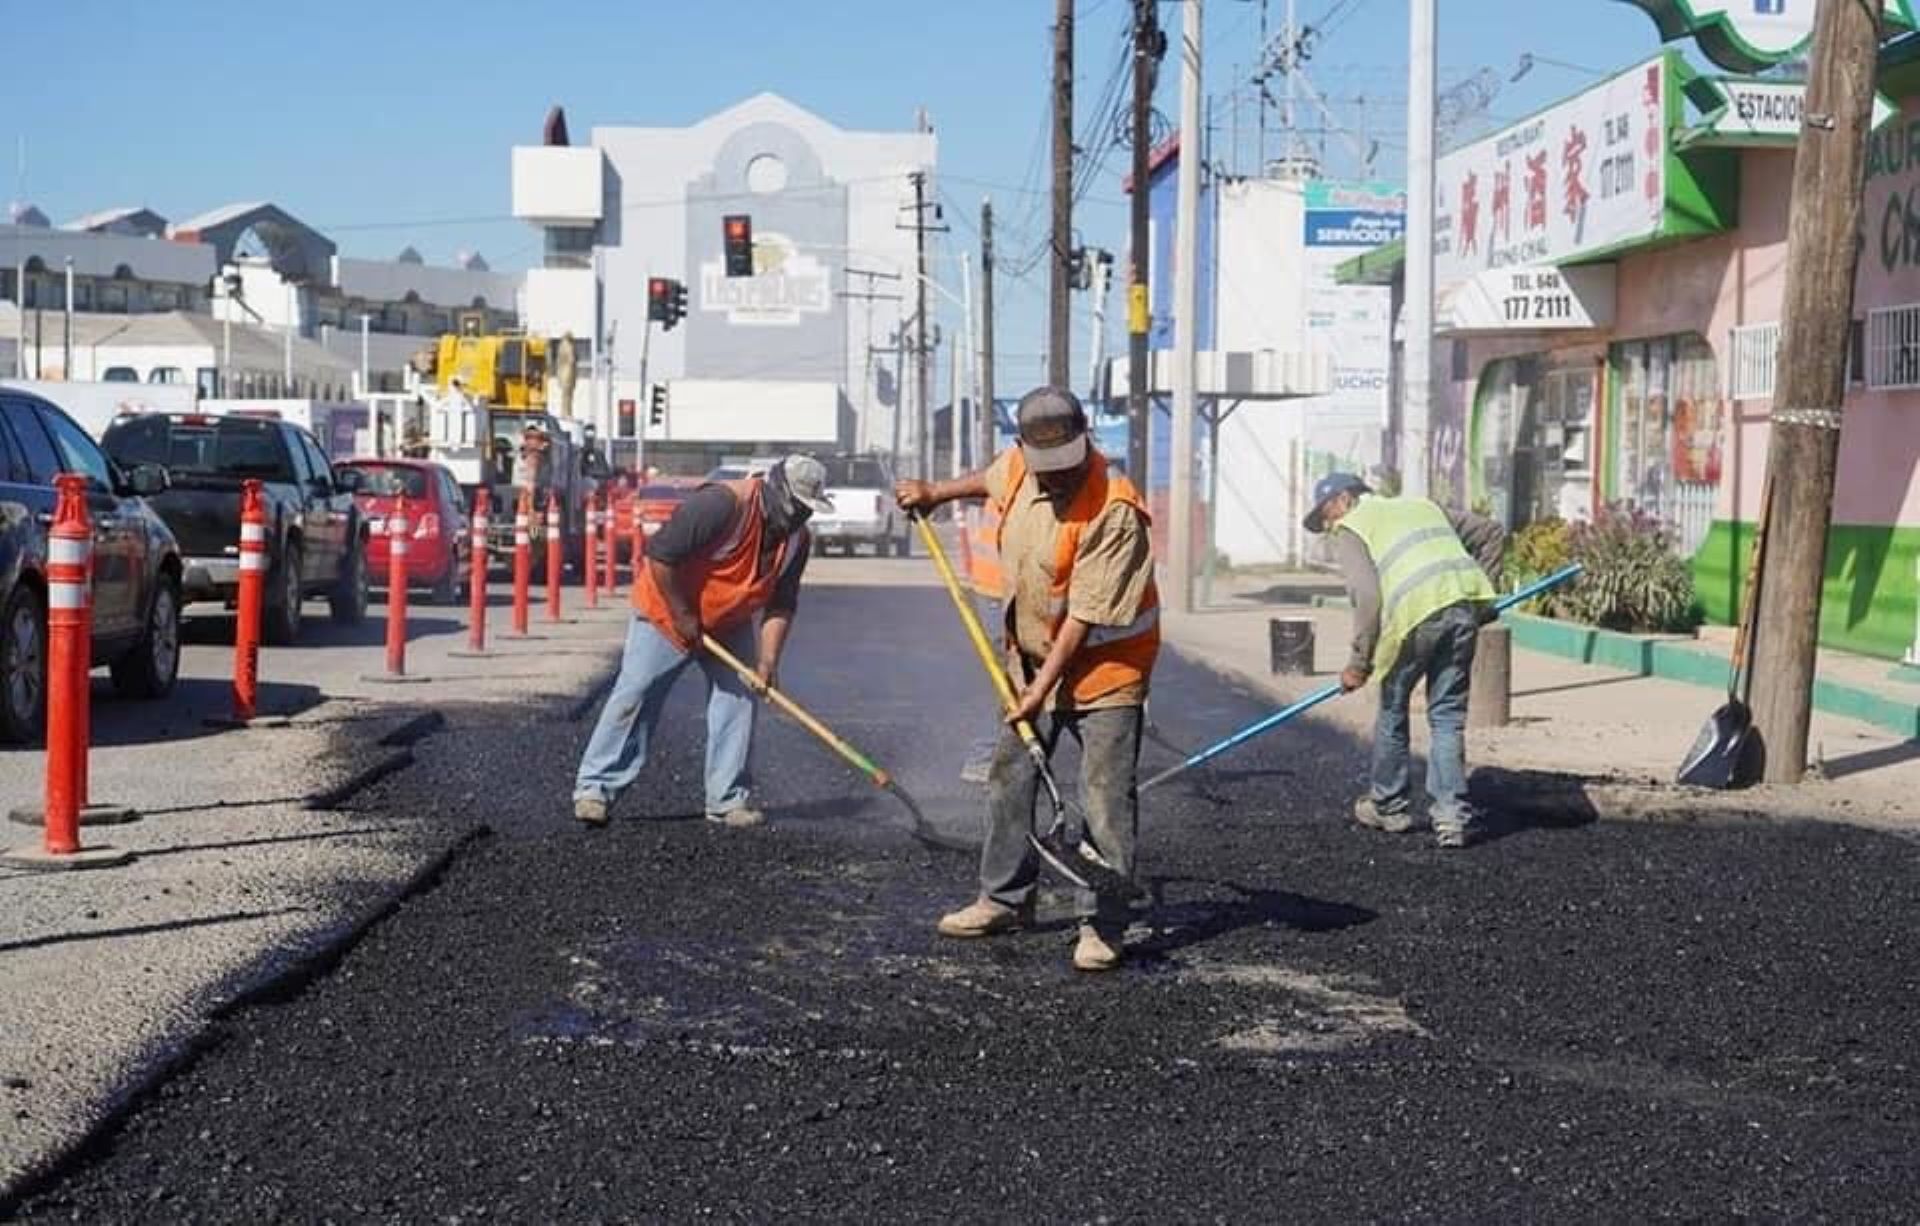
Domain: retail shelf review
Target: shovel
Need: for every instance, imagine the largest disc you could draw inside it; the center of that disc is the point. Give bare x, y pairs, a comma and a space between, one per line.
1296, 709
1721, 757
1076, 861
922, 829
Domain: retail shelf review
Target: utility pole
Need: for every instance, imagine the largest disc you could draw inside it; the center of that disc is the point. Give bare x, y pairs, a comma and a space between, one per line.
1828, 176
987, 410
923, 352
868, 297
66, 354
1186, 301
1059, 320
1416, 378
1147, 45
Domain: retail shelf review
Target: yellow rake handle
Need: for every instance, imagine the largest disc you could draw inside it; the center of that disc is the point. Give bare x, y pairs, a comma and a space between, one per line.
982, 645
797, 712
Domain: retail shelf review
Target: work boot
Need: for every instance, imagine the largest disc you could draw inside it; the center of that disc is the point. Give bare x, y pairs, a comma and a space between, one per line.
1395, 821
984, 917
591, 810
1454, 836
739, 819
1094, 952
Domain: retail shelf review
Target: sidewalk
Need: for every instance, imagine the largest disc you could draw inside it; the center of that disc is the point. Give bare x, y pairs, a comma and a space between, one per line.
1615, 735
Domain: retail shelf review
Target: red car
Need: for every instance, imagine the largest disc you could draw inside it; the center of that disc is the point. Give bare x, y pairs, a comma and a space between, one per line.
661, 497
440, 542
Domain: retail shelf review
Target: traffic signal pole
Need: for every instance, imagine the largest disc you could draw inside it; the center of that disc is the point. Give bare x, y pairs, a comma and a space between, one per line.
640, 419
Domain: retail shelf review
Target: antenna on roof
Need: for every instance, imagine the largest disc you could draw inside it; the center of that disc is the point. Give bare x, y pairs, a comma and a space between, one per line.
555, 130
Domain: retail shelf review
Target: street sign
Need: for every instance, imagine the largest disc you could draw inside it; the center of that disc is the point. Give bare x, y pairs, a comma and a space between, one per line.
1736, 110
1749, 35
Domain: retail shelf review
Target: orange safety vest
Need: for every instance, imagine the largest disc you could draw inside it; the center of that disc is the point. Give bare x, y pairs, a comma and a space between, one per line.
1113, 656
731, 588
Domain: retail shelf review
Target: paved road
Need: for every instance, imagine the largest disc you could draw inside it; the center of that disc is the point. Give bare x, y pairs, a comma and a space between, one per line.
668, 1020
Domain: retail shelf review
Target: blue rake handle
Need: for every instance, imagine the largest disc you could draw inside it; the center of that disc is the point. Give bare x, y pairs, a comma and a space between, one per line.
1270, 722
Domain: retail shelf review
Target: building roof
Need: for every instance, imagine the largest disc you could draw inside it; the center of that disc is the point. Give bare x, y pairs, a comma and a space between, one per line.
295, 249
126, 219
399, 281
253, 346
95, 254
218, 216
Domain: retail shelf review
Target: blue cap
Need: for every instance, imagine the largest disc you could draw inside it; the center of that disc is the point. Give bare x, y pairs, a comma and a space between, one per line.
1326, 489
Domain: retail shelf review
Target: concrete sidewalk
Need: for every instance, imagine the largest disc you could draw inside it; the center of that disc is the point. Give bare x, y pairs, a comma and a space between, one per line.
1616, 734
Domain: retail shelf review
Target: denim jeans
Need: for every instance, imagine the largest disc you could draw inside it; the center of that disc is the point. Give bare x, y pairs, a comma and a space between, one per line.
648, 668
1109, 753
1440, 652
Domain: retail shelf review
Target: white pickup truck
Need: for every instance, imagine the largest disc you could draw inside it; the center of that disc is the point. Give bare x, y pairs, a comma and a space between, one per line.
863, 509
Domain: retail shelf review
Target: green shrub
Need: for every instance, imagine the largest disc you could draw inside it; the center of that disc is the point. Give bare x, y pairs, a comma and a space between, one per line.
1635, 580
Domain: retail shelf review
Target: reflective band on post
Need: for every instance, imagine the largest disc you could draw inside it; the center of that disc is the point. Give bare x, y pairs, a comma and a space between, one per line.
523, 537
66, 595
397, 526
399, 547
69, 551
253, 561
521, 522
253, 534
1819, 419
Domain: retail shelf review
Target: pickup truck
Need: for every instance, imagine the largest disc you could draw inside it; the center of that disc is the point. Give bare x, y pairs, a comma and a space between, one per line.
864, 512
316, 539
136, 564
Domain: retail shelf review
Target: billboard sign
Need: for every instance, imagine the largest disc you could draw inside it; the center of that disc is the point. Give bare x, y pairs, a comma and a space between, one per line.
1749, 35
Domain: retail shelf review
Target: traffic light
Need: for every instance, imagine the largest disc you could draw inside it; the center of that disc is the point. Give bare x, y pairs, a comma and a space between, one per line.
657, 409
626, 420
737, 241
666, 302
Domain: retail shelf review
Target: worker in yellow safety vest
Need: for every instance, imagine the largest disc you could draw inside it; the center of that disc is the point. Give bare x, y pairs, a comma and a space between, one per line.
1420, 578
1083, 630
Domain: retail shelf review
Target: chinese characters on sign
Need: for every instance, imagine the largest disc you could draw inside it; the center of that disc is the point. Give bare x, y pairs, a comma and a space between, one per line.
1591, 173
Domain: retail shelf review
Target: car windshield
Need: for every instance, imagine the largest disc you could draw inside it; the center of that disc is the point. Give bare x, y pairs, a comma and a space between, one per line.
860, 471
208, 446
389, 480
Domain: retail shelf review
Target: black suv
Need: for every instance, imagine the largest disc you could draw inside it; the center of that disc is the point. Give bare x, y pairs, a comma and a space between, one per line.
316, 538
136, 564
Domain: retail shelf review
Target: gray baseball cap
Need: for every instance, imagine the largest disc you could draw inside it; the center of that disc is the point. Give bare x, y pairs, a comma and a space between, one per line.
1053, 430
806, 481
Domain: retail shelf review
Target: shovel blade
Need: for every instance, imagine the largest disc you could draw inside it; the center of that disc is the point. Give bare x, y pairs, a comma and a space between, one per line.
1721, 754
1083, 866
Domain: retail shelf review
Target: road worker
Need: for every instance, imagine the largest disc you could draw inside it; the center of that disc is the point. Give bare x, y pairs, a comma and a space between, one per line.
1421, 581
731, 550
1083, 630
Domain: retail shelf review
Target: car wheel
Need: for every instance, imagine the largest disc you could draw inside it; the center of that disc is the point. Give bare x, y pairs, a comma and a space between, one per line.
446, 591
348, 600
23, 667
151, 667
283, 606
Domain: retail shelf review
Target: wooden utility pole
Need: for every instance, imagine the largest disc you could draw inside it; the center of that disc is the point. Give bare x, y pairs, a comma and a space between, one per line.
1147, 46
1810, 380
922, 392
1059, 319
987, 410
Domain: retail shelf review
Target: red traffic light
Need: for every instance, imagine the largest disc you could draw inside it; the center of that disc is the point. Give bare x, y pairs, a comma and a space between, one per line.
736, 232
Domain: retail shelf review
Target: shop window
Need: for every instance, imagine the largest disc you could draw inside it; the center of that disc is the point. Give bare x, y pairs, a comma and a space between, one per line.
1532, 440
1669, 422
1893, 347
164, 298
1752, 354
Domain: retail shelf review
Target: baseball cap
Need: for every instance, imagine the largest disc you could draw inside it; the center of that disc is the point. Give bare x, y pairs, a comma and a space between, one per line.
1053, 430
806, 480
1325, 489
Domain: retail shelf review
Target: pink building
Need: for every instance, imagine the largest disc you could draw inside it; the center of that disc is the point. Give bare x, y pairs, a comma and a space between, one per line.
1633, 360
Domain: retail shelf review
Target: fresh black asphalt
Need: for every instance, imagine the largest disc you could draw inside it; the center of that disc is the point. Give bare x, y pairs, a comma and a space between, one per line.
669, 1021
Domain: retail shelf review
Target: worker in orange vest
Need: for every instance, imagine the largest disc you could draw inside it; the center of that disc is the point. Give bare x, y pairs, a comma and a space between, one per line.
731, 550
1083, 630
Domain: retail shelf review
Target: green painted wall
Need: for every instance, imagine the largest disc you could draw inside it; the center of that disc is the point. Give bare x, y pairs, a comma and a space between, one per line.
1868, 598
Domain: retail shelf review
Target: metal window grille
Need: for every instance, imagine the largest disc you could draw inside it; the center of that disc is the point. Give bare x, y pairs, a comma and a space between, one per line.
1893, 347
1750, 373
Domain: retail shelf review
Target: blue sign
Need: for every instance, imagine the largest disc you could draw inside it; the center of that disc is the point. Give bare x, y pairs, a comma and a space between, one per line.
1353, 228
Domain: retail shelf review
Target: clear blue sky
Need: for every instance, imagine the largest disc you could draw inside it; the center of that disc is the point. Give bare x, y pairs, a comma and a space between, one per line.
388, 124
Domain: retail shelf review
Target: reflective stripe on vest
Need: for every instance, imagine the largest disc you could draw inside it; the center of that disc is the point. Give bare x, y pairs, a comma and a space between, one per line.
1112, 657
1422, 565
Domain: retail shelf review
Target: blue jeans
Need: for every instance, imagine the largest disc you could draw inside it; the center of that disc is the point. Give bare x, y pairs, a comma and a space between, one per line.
648, 668
1440, 652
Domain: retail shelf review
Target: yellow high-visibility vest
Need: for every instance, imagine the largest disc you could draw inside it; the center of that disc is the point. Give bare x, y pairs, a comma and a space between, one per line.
1422, 564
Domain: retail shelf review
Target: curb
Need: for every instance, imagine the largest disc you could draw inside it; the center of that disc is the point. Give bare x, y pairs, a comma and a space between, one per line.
1673, 658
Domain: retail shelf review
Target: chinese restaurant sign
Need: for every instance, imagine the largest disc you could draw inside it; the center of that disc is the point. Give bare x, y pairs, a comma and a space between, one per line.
1749, 35
1581, 178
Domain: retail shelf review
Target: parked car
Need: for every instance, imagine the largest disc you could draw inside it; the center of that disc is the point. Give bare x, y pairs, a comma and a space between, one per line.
756, 467
136, 564
661, 497
440, 541
316, 536
864, 512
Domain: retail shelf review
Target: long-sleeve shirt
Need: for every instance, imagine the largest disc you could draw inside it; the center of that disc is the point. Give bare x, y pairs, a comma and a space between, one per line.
1483, 538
